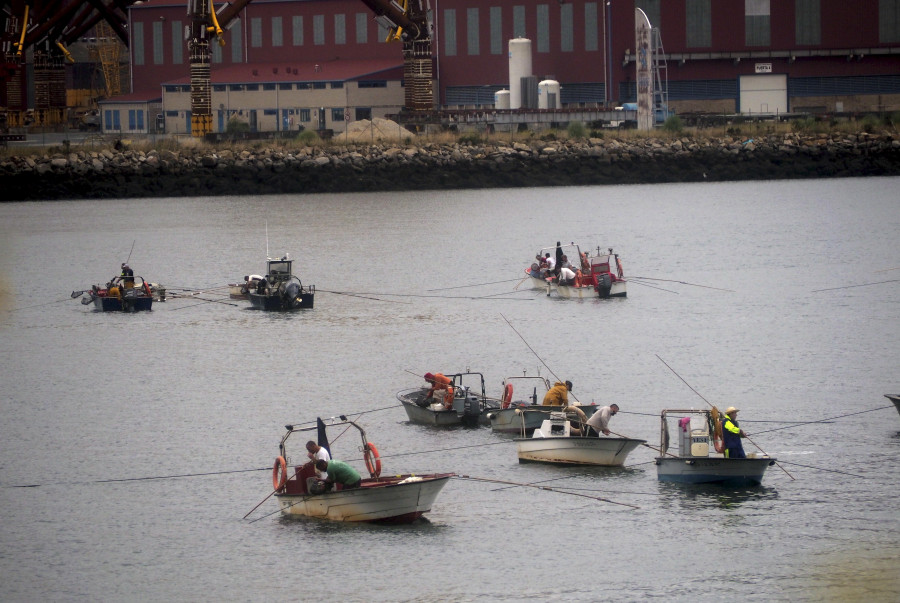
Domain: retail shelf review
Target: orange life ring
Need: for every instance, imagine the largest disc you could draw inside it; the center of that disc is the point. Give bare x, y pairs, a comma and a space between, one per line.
373, 460
279, 473
506, 398
718, 439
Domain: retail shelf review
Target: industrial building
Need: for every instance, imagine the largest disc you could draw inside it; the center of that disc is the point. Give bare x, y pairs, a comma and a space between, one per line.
320, 63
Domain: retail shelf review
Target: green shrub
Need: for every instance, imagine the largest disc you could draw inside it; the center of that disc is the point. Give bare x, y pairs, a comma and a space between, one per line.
471, 139
236, 126
869, 123
576, 129
672, 124
307, 137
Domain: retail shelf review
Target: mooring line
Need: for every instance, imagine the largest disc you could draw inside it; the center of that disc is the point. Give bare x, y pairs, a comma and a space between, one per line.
545, 488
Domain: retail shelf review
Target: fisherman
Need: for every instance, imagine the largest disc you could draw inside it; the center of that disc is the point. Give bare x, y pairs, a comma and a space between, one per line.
558, 395
338, 472
439, 382
599, 421
318, 453
559, 257
732, 434
127, 276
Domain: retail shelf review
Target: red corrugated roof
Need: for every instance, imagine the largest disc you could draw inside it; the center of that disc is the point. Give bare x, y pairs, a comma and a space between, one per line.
146, 96
300, 71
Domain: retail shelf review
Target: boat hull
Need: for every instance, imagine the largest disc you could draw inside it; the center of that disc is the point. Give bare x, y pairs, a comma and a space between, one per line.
529, 417
712, 470
576, 450
895, 399
275, 303
617, 289
438, 416
126, 304
392, 501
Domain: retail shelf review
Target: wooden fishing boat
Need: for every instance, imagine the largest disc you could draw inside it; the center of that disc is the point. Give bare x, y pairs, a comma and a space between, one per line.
123, 294
895, 398
695, 463
398, 498
523, 415
558, 442
281, 289
600, 275
470, 405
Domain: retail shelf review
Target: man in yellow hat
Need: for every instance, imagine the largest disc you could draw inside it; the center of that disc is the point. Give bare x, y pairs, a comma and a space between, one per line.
732, 434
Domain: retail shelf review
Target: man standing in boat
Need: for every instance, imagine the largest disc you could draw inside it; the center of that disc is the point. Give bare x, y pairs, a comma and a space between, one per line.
599, 421
339, 472
558, 395
127, 276
732, 434
318, 453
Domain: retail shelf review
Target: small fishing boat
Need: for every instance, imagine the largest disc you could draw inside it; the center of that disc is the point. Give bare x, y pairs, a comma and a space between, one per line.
895, 398
557, 441
123, 294
281, 289
525, 414
242, 290
398, 498
470, 405
695, 463
598, 275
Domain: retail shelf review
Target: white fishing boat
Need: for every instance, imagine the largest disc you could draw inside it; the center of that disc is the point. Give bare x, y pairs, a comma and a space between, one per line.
470, 405
597, 275
695, 462
522, 414
558, 442
895, 398
397, 498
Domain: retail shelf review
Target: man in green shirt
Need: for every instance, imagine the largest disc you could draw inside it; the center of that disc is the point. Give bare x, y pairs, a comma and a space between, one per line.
339, 472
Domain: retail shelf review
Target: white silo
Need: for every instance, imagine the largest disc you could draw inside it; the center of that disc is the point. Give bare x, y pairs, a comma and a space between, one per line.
548, 95
501, 99
519, 67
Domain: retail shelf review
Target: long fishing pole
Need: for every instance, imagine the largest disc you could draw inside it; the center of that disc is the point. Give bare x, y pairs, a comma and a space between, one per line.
388, 301
509, 280
545, 488
852, 286
132, 251
653, 287
668, 280
711, 406
532, 350
823, 469
823, 420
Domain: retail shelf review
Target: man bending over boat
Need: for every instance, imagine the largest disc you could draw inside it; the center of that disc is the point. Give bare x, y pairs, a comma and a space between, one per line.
558, 395
318, 453
599, 421
732, 434
439, 382
338, 472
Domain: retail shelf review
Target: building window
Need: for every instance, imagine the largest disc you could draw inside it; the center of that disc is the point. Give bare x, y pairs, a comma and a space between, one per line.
304, 115
236, 51
319, 30
889, 21
304, 86
472, 46
319, 85
337, 114
340, 29
362, 28
137, 38
268, 86
172, 88
270, 111
277, 32
297, 31
699, 24
284, 86
496, 30
256, 32
519, 30
591, 26
808, 22
651, 9
372, 84
566, 28
177, 43
252, 87
111, 119
337, 85
158, 57
756, 22
450, 32
135, 119
219, 87
236, 87
543, 28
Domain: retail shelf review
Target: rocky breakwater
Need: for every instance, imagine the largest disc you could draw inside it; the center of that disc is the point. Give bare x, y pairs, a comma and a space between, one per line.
335, 167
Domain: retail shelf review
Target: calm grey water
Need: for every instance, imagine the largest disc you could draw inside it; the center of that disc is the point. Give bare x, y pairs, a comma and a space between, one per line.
205, 388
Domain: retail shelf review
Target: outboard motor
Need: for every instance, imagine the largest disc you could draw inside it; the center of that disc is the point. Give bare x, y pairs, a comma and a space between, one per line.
290, 296
604, 285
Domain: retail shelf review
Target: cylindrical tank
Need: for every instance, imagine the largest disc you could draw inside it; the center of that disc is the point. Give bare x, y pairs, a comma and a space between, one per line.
519, 67
548, 95
501, 99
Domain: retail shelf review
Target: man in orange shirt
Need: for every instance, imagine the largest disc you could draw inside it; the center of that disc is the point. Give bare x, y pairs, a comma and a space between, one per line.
439, 381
